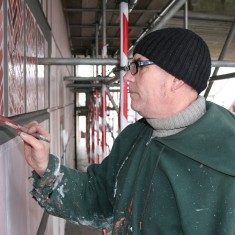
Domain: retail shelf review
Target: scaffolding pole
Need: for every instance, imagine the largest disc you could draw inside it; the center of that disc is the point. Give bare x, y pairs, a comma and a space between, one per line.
222, 55
161, 20
123, 118
77, 61
71, 61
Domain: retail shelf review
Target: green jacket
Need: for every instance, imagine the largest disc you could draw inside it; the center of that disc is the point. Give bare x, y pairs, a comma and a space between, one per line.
180, 184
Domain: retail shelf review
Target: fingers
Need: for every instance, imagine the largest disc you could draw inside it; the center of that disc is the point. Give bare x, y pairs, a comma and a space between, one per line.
34, 130
30, 140
34, 127
41, 130
36, 151
31, 124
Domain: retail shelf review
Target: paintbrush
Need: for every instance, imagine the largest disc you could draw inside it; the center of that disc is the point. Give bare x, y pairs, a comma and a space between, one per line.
16, 126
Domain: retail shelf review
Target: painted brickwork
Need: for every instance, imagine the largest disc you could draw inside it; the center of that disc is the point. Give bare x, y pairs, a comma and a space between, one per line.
26, 92
31, 50
15, 46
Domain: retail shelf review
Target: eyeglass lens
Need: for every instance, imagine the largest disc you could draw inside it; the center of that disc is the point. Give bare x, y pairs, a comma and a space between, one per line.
133, 68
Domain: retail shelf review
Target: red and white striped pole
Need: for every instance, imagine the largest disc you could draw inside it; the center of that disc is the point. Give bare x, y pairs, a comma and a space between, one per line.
97, 124
104, 102
88, 135
104, 232
123, 62
104, 121
92, 133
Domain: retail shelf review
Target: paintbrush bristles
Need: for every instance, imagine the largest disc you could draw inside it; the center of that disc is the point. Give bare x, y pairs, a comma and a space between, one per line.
2, 119
9, 122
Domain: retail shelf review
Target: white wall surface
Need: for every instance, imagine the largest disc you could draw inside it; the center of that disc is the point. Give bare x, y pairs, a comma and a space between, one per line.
19, 213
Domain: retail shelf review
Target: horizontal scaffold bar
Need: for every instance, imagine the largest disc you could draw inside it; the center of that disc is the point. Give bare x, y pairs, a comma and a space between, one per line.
77, 61
88, 61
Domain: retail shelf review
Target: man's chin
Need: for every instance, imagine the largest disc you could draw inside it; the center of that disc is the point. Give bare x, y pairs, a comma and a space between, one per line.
134, 107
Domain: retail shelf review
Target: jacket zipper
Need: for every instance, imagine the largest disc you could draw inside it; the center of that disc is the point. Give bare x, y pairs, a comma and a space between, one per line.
150, 139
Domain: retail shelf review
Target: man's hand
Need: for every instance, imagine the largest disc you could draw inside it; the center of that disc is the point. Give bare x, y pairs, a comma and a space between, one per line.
36, 151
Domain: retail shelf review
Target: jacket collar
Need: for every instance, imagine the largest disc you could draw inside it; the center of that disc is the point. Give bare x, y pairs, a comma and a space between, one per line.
210, 140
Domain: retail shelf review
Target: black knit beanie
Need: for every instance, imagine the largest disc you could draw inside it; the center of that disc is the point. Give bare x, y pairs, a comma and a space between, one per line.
180, 52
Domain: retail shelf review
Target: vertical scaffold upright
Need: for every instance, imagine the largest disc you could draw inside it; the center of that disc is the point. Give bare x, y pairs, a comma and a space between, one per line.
123, 62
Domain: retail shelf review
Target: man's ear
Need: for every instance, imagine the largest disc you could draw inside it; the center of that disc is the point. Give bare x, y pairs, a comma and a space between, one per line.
177, 83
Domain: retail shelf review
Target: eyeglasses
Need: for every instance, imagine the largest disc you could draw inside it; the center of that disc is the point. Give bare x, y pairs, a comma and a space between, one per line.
134, 66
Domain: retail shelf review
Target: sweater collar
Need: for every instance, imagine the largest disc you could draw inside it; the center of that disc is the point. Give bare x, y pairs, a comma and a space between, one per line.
179, 121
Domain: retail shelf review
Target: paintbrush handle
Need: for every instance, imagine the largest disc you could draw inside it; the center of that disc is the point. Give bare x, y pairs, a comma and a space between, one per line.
40, 137
36, 135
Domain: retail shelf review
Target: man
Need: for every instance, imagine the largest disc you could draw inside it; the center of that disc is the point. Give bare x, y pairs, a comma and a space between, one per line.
171, 172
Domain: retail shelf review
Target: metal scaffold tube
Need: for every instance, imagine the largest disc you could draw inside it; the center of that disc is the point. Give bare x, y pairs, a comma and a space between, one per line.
123, 62
162, 19
71, 61
112, 100
222, 63
222, 55
186, 15
222, 76
84, 79
77, 61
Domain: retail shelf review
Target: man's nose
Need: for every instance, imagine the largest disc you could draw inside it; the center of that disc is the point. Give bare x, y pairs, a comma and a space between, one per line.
128, 77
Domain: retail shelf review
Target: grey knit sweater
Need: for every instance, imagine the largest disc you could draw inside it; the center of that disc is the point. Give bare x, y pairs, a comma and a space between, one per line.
179, 121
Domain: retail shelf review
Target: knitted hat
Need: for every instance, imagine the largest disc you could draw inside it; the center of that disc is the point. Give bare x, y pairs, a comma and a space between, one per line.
180, 52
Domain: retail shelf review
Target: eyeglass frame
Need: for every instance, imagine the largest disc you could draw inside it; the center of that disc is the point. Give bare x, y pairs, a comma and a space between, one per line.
139, 63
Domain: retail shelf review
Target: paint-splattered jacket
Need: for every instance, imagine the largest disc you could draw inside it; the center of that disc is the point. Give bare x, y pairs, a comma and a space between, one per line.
180, 184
